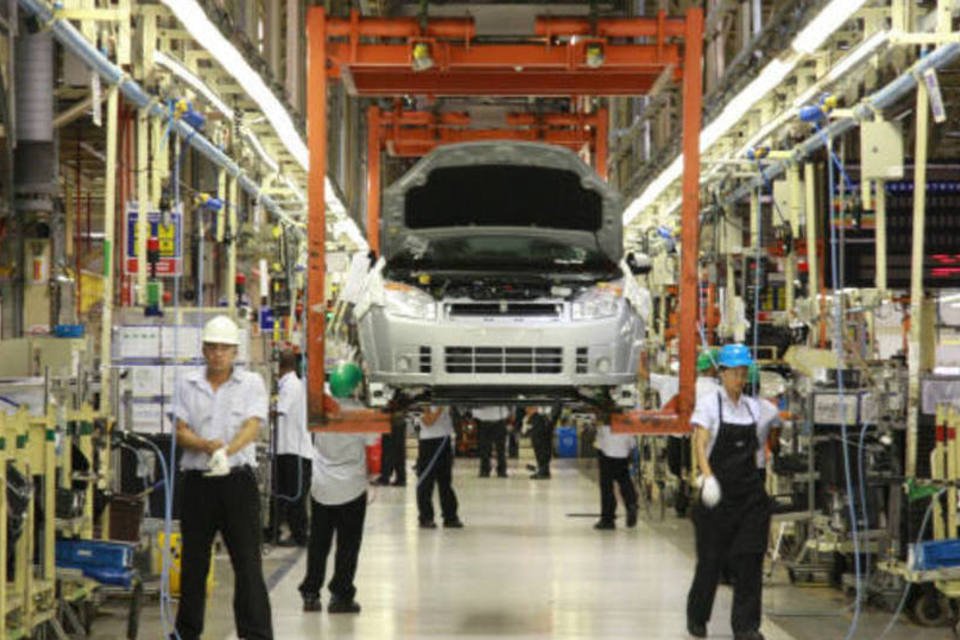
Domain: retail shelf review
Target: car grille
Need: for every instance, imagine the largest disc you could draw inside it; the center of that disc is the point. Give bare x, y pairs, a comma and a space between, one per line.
503, 360
425, 359
582, 360
504, 309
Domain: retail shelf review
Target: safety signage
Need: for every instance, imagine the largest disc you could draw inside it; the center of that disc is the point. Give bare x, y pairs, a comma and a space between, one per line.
170, 236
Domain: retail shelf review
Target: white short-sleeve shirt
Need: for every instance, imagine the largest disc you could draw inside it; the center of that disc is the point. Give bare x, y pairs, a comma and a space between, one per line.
494, 413
339, 467
219, 415
442, 427
292, 435
668, 386
614, 445
747, 411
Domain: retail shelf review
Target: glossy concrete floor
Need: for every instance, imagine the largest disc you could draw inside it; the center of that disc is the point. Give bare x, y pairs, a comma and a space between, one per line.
527, 565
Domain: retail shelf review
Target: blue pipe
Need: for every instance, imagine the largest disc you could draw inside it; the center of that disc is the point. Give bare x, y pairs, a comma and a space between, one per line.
881, 99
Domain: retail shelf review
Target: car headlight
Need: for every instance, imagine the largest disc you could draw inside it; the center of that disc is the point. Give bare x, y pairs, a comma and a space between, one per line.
409, 302
600, 301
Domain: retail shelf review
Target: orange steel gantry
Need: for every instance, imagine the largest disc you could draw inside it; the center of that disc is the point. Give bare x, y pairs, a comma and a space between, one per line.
565, 57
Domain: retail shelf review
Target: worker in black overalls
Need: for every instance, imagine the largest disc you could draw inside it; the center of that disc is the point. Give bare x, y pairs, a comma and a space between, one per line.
732, 523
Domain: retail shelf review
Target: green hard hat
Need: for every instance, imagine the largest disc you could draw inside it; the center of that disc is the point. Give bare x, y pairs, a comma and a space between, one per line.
707, 359
344, 379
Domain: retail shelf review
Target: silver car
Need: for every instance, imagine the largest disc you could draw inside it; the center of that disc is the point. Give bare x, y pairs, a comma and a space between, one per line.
500, 280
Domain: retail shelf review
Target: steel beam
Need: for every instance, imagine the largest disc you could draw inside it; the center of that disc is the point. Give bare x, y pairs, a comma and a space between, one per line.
316, 224
690, 211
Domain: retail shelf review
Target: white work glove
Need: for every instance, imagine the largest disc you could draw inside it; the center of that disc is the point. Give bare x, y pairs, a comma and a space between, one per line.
219, 465
710, 492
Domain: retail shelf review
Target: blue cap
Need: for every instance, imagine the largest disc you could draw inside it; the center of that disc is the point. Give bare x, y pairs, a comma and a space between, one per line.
735, 355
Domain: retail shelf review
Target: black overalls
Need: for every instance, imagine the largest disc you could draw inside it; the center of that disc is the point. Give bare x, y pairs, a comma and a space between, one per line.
735, 531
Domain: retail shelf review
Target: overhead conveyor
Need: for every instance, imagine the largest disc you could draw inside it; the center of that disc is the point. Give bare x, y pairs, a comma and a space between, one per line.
567, 57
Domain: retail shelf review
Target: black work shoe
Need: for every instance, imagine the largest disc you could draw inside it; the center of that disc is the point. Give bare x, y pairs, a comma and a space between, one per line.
697, 630
632, 516
311, 605
748, 635
338, 605
428, 524
454, 523
484, 474
540, 476
603, 525
399, 483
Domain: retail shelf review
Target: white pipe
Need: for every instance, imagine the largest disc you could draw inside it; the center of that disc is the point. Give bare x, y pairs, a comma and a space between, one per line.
109, 205
916, 278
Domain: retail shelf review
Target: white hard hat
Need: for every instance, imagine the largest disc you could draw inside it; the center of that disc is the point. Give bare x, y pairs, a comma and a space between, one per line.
221, 330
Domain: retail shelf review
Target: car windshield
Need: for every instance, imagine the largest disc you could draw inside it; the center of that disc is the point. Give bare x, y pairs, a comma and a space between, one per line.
499, 252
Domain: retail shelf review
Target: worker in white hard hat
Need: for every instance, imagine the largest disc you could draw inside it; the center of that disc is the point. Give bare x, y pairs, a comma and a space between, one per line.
218, 412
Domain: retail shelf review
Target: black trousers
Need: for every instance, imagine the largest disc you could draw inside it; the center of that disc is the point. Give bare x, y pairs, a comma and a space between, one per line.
231, 505
441, 474
346, 520
541, 437
747, 573
615, 470
492, 435
293, 480
394, 460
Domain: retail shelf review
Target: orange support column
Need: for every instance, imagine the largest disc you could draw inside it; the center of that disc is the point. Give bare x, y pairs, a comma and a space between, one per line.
601, 143
690, 210
373, 178
317, 221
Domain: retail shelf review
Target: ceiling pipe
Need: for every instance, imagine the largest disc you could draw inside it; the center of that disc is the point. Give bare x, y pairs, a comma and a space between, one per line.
73, 40
864, 110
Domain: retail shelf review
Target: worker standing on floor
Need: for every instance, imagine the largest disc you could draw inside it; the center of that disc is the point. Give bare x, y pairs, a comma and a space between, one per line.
732, 523
339, 505
542, 421
613, 457
394, 447
294, 452
491, 423
435, 466
218, 412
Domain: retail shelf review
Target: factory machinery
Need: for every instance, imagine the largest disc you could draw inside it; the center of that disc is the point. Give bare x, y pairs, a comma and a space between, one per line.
65, 530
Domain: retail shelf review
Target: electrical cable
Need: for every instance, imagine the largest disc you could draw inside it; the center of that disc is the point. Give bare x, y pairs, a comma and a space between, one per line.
906, 587
165, 595
838, 348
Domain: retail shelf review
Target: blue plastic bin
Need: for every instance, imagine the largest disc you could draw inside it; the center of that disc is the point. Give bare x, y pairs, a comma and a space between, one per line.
566, 442
936, 554
78, 554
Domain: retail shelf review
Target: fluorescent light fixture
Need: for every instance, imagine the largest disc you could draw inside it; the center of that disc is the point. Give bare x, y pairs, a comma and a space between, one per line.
654, 189
257, 146
830, 18
856, 56
176, 68
770, 78
193, 18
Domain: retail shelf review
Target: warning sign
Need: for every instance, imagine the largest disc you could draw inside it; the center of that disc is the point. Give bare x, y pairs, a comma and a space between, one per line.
170, 236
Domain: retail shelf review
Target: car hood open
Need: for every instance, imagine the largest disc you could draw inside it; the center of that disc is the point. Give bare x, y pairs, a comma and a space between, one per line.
505, 184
